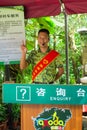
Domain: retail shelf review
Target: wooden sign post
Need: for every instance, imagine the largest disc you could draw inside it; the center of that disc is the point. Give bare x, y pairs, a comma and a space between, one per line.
29, 111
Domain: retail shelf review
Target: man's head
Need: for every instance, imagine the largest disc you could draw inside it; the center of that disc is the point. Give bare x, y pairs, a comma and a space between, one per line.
43, 37
44, 30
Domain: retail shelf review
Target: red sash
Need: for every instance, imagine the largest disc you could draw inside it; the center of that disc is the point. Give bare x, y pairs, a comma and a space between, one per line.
43, 63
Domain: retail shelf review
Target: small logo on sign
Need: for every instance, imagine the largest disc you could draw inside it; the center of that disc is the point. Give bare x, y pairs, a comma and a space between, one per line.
52, 119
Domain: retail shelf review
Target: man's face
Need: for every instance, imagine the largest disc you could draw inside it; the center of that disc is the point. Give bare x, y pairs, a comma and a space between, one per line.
43, 39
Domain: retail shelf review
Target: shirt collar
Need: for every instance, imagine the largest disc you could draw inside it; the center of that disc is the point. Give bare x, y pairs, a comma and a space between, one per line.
48, 49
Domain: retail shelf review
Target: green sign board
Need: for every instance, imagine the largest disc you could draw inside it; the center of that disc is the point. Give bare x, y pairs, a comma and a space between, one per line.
44, 94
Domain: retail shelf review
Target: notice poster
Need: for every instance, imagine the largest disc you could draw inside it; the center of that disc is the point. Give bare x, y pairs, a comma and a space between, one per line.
12, 32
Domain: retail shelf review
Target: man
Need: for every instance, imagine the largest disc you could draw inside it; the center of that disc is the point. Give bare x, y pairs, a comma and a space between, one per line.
44, 61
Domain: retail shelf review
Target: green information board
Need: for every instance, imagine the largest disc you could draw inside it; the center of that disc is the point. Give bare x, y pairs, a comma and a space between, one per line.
44, 94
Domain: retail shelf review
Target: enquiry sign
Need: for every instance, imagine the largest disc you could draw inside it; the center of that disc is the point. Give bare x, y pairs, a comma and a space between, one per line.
44, 93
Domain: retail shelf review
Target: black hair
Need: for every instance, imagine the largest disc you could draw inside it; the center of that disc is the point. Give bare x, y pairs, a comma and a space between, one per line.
44, 30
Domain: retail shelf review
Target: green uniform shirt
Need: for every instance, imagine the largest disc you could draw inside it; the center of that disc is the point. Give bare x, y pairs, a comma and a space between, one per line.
48, 74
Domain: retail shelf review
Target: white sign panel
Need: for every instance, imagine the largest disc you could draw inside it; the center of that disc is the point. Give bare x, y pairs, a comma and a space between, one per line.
12, 33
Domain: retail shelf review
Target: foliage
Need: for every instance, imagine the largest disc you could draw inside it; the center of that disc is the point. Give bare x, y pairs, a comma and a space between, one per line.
25, 76
76, 44
15, 111
1, 74
46, 22
3, 113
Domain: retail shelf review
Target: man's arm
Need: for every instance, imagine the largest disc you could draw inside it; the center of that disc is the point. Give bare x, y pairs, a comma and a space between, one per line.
23, 63
60, 72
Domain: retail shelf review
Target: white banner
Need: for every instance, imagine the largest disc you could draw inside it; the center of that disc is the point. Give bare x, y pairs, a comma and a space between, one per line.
12, 32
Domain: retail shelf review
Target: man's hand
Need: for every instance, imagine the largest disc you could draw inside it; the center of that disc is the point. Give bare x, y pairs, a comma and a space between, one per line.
23, 48
23, 63
60, 72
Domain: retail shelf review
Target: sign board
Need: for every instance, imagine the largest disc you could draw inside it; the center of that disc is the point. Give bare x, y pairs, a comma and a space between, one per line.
11, 34
44, 94
52, 119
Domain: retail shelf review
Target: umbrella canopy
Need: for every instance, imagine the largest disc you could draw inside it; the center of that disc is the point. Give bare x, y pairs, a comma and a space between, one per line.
75, 6
35, 8
39, 8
